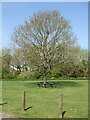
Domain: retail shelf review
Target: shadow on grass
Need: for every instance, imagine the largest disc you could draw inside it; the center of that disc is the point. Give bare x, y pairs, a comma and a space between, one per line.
56, 84
62, 84
28, 108
63, 114
3, 103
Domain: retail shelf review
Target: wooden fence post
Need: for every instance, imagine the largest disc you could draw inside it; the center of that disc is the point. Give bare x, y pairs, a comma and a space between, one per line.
60, 104
23, 100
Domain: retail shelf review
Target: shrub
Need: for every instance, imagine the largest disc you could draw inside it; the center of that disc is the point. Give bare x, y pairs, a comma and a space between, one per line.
24, 74
29, 74
56, 72
49, 74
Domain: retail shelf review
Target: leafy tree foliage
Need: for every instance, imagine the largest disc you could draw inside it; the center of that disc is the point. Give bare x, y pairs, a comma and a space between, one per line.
44, 39
45, 47
5, 62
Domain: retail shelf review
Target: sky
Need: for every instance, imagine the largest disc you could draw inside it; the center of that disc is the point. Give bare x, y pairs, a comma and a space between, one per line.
15, 13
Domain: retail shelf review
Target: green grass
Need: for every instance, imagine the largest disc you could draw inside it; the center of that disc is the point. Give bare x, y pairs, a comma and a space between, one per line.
44, 102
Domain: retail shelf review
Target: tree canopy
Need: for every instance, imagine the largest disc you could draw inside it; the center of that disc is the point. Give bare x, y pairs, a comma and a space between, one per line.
47, 45
45, 39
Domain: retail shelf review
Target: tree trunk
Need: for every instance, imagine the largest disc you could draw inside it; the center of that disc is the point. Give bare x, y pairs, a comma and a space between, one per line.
45, 77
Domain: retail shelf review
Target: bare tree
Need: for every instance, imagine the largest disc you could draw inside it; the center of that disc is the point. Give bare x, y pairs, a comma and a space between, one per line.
41, 35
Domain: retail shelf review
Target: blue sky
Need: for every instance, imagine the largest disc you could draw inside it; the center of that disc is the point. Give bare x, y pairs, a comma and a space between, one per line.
14, 14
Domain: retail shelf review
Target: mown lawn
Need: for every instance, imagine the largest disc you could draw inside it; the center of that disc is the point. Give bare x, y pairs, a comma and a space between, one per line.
44, 102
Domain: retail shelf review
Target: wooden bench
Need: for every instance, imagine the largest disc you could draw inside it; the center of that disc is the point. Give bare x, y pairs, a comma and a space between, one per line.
44, 85
39, 85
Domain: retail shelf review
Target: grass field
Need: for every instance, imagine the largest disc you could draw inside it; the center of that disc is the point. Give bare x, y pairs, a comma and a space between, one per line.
44, 102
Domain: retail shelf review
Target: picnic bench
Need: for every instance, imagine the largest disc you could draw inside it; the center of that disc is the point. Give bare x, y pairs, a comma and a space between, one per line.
48, 84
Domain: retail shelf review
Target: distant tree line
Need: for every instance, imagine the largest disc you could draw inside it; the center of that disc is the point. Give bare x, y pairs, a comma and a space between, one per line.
14, 65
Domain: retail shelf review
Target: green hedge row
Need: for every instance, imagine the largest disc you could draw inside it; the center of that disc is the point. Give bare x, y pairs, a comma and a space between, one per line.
41, 79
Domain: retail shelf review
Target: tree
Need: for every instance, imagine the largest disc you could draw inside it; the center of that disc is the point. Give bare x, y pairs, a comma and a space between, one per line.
41, 36
6, 58
17, 60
